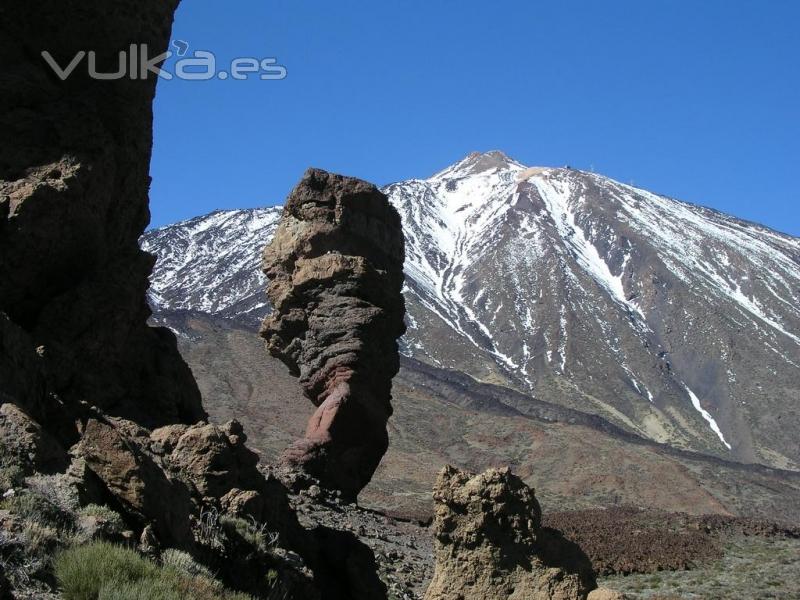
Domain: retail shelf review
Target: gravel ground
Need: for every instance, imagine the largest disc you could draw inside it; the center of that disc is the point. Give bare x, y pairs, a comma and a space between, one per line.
403, 549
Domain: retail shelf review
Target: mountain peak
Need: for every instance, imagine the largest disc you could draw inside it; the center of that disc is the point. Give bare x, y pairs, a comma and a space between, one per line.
479, 162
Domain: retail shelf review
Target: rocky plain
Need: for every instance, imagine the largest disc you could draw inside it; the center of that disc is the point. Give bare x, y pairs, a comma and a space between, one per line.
128, 462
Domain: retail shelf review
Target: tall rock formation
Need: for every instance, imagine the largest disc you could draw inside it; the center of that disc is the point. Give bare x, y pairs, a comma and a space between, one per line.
335, 270
490, 543
74, 179
83, 378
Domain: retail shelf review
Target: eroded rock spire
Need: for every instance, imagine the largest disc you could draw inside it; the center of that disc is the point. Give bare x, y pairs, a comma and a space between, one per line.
490, 543
335, 270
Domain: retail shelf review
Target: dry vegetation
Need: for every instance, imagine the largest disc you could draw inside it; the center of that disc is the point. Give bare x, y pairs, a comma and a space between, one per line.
752, 567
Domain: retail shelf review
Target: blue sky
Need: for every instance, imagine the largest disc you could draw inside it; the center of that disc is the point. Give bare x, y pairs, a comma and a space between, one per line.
696, 100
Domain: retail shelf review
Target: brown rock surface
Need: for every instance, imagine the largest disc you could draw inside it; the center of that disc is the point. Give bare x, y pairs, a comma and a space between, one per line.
73, 202
214, 460
335, 270
137, 480
605, 594
79, 366
489, 543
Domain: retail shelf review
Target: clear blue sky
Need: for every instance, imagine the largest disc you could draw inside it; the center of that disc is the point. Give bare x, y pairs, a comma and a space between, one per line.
699, 100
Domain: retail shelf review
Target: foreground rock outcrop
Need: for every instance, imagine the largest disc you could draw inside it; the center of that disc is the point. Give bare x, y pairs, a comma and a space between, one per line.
98, 410
490, 543
74, 179
335, 270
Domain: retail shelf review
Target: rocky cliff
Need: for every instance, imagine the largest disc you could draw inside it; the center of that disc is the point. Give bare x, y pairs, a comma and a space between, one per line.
73, 202
98, 411
335, 270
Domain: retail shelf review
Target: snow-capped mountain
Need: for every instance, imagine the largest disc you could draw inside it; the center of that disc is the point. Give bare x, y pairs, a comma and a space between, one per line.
212, 264
676, 322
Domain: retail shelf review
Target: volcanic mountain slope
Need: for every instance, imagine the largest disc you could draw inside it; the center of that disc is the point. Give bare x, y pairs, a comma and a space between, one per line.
574, 460
673, 321
212, 264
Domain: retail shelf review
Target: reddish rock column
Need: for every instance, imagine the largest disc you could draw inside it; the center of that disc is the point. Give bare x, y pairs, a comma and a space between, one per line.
335, 270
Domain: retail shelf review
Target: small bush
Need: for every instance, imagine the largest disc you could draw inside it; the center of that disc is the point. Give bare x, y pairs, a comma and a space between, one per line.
31, 506
103, 571
184, 563
40, 539
101, 511
82, 571
12, 473
112, 523
168, 585
56, 489
236, 527
145, 589
254, 533
11, 476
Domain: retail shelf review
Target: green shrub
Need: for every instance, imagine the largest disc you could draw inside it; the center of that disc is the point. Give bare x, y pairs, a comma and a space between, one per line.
145, 589
101, 511
12, 473
103, 571
83, 570
184, 563
197, 588
236, 527
40, 540
112, 523
32, 506
11, 476
252, 532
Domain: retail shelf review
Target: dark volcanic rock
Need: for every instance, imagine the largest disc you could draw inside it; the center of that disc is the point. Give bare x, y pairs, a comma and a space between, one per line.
21, 377
79, 366
73, 202
136, 479
335, 270
490, 543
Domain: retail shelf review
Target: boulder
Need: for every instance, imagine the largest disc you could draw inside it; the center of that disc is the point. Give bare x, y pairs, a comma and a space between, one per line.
223, 473
136, 480
213, 461
490, 544
27, 443
335, 271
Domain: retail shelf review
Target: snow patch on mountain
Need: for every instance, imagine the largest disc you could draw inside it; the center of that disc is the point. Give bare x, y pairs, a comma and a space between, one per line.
707, 416
212, 264
556, 195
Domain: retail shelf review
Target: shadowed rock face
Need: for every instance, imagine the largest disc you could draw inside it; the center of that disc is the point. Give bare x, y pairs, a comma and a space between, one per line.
490, 543
335, 270
87, 390
74, 179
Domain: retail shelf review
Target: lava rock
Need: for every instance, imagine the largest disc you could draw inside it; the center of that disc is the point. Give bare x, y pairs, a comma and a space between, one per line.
137, 480
74, 182
489, 543
335, 270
